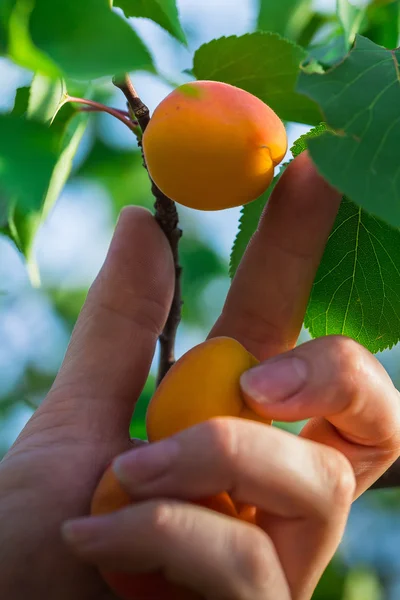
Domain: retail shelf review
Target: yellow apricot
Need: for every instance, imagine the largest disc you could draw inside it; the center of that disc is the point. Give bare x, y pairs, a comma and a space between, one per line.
204, 383
211, 145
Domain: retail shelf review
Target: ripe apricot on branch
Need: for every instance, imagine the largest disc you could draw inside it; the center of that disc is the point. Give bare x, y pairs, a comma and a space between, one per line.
210, 145
203, 384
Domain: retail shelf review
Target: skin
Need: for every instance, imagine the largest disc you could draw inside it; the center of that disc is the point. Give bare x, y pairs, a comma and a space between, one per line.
50, 474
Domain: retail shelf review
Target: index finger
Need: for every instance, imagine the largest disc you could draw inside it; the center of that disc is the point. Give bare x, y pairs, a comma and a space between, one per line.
267, 301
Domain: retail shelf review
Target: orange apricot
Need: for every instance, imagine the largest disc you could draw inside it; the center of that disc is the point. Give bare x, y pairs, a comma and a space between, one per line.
211, 145
204, 383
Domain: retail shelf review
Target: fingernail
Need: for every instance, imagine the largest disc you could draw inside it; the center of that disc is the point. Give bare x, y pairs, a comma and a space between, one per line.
79, 532
146, 462
276, 380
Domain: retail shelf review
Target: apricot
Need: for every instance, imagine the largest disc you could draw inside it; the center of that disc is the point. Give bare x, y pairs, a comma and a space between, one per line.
203, 384
211, 145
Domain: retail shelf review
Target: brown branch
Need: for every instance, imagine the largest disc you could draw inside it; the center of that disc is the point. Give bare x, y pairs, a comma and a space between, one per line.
166, 216
390, 479
140, 110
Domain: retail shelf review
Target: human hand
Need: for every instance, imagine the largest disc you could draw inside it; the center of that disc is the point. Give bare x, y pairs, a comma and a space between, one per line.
58, 459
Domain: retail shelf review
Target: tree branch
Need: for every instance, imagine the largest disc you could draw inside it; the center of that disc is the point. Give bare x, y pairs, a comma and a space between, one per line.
166, 216
390, 479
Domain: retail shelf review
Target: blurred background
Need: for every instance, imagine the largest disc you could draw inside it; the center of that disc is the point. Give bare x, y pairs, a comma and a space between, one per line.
36, 323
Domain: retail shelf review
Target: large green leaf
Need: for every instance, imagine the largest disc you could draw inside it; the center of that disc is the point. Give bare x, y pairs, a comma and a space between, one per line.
265, 65
29, 204
163, 12
286, 17
360, 99
85, 39
20, 47
357, 288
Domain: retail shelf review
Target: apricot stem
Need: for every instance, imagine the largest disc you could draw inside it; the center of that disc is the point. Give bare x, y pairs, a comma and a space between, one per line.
167, 217
122, 116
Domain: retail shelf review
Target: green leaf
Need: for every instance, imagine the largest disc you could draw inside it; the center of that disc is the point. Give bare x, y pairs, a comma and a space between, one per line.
21, 101
248, 222
44, 156
351, 18
384, 22
163, 12
331, 51
20, 47
74, 127
263, 64
357, 288
360, 99
44, 98
301, 143
28, 153
6, 7
286, 17
85, 39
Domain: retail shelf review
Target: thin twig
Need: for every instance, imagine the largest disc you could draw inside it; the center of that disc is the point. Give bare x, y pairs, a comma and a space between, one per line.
166, 216
390, 479
123, 113
103, 108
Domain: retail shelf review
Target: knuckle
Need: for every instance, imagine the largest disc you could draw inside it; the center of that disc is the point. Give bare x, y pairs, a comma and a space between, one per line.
340, 477
352, 367
221, 432
160, 519
351, 355
257, 557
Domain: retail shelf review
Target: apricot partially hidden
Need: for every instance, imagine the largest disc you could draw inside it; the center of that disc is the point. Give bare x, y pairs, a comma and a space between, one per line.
203, 384
110, 496
211, 145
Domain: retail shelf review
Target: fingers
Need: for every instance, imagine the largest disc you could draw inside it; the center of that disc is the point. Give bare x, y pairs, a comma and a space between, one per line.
214, 555
354, 403
256, 464
268, 297
113, 343
303, 490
